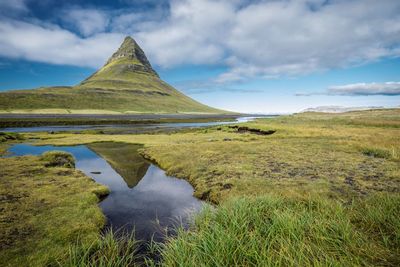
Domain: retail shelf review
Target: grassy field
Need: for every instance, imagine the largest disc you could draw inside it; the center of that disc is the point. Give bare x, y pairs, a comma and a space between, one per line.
46, 205
291, 231
82, 100
322, 190
339, 156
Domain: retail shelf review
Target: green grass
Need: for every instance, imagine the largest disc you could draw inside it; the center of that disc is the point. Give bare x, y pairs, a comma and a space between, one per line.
323, 190
45, 209
324, 154
4, 137
135, 99
58, 159
320, 154
110, 250
281, 231
377, 153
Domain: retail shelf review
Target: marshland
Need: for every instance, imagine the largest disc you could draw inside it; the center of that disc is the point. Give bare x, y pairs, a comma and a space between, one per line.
322, 189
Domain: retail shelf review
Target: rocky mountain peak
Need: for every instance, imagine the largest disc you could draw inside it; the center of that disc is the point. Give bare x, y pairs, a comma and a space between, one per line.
134, 55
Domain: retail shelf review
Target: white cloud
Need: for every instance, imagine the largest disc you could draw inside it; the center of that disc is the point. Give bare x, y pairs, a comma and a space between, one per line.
272, 38
87, 21
386, 88
51, 44
252, 38
192, 34
360, 89
288, 37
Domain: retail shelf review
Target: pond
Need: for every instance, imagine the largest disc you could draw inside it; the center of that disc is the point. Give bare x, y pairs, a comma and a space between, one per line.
143, 198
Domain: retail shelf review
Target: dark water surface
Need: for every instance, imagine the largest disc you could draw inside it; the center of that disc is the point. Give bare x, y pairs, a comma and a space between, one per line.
128, 128
144, 198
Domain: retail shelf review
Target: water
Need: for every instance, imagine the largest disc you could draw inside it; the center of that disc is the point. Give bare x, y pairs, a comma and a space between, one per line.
144, 199
127, 128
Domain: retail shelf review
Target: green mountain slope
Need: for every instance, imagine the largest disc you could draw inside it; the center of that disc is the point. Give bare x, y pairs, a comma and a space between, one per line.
125, 84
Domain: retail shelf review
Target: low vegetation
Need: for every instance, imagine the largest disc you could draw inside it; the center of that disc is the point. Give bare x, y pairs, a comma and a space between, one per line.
45, 209
58, 159
9, 137
323, 189
111, 249
284, 231
323, 154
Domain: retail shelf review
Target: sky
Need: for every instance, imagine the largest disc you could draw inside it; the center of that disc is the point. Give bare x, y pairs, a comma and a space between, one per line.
261, 56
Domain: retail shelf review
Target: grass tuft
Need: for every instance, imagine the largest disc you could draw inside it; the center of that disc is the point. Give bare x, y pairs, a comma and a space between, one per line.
58, 159
378, 217
10, 136
110, 250
277, 231
376, 152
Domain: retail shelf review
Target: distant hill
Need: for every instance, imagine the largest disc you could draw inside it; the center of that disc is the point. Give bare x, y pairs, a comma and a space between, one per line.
338, 109
127, 83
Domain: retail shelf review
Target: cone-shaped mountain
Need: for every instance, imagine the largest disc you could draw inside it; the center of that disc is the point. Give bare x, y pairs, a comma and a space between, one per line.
127, 83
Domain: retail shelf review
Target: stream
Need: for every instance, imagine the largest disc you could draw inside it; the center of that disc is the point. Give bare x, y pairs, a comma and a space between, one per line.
128, 128
143, 198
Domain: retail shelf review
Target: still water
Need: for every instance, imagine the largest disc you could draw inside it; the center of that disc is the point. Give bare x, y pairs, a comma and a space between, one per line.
143, 198
128, 128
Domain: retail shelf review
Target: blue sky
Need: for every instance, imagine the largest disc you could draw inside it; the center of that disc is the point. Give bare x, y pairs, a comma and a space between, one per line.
249, 56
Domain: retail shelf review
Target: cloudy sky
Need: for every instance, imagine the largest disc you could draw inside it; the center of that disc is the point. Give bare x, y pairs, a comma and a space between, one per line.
251, 56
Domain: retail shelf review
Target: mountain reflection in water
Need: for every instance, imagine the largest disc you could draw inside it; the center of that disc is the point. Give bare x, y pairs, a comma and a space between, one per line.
143, 198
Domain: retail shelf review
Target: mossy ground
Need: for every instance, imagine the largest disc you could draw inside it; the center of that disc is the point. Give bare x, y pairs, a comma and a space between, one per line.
322, 190
4, 137
324, 154
44, 210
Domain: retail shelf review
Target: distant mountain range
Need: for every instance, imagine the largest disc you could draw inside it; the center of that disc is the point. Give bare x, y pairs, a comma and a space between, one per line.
127, 83
338, 109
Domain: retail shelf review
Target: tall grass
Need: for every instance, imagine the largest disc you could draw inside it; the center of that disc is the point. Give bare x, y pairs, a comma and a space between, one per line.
378, 152
277, 231
110, 250
378, 218
10, 136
